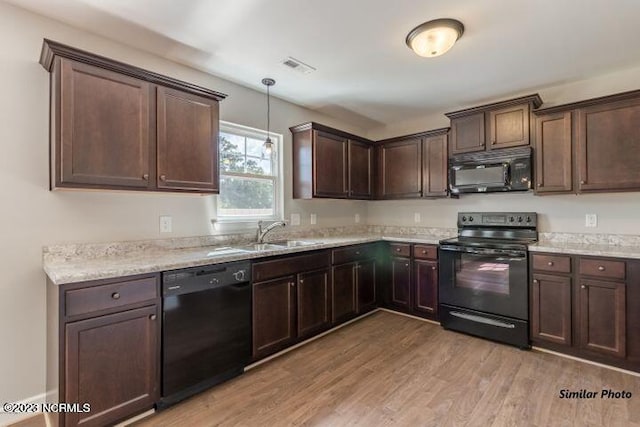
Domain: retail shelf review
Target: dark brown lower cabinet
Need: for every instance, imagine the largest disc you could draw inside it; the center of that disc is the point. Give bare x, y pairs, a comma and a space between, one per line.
413, 279
103, 348
366, 278
314, 310
273, 315
291, 300
344, 297
551, 308
112, 364
426, 287
401, 283
587, 307
602, 317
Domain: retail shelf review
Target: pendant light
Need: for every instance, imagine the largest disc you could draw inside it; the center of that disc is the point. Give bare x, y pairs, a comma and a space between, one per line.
268, 144
433, 38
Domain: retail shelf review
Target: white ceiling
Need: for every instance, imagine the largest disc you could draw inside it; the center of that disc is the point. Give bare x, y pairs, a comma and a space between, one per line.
365, 72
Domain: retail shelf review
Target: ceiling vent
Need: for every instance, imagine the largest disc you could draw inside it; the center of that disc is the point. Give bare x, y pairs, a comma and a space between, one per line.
297, 65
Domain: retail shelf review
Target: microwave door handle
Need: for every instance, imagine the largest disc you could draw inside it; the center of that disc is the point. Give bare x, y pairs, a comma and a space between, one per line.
506, 175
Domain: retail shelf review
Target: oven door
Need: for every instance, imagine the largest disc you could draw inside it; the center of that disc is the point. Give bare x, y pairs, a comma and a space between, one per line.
482, 279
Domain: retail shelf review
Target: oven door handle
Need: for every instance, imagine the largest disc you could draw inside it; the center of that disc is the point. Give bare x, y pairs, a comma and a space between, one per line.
514, 254
480, 319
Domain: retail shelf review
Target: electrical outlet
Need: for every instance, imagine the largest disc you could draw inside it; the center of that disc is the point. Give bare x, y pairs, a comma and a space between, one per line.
416, 217
313, 219
591, 220
357, 218
165, 224
295, 219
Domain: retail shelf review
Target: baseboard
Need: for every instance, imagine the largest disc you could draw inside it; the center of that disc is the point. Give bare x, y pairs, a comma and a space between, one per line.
307, 341
136, 418
410, 316
590, 362
8, 418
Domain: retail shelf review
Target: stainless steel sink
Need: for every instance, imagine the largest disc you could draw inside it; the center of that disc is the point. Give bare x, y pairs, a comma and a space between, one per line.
293, 243
226, 250
256, 247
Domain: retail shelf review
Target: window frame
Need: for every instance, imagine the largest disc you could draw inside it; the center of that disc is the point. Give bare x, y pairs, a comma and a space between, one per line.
276, 177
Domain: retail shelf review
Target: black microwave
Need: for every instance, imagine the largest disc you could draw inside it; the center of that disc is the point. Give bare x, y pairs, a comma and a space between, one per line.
506, 169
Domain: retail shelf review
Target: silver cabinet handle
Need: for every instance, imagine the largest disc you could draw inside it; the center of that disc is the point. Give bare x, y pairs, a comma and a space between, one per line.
550, 263
115, 295
583, 286
152, 317
601, 268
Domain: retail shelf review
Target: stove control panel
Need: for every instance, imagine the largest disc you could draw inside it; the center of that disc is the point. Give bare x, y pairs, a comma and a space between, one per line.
498, 219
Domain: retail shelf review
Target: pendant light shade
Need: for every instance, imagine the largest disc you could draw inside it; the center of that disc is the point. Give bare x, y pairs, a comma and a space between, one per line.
433, 38
268, 144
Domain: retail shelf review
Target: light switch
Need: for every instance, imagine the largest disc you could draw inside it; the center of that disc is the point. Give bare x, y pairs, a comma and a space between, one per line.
416, 217
591, 220
357, 218
295, 219
313, 219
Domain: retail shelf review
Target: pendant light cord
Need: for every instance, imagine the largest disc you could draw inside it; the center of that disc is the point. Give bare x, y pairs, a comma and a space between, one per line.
268, 112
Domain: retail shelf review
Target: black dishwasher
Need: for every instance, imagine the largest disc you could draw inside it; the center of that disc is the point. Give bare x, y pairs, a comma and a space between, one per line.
206, 330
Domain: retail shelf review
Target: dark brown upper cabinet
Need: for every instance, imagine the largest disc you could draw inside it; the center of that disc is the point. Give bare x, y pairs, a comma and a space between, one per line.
554, 153
413, 166
187, 127
115, 126
329, 163
589, 146
499, 125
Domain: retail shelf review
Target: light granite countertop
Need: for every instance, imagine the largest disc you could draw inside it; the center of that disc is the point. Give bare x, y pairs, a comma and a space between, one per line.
152, 260
593, 249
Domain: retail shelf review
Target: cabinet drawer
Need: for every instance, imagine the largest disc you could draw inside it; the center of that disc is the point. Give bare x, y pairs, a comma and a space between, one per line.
353, 253
290, 265
110, 295
602, 267
554, 263
400, 249
425, 252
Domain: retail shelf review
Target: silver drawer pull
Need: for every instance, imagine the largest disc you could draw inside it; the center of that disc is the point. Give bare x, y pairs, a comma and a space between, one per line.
481, 319
115, 295
550, 263
601, 268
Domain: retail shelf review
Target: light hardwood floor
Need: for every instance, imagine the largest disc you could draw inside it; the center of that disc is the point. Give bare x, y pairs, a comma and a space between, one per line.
388, 369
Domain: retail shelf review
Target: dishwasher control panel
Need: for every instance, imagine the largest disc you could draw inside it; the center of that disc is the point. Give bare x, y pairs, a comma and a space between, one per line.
194, 279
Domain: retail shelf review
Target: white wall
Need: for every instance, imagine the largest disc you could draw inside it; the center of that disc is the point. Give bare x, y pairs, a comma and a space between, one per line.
31, 216
617, 213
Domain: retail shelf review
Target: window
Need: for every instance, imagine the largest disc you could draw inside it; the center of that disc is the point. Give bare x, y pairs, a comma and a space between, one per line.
250, 188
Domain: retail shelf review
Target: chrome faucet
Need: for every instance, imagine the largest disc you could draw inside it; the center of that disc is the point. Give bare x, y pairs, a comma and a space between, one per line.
261, 233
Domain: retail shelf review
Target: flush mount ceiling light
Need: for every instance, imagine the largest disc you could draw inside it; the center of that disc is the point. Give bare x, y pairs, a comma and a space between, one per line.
433, 38
268, 144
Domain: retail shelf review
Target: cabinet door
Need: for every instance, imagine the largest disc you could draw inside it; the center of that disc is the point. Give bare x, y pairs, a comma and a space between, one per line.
467, 134
400, 169
551, 309
344, 292
329, 165
188, 128
366, 278
602, 317
103, 129
434, 163
509, 127
112, 364
360, 166
426, 288
313, 294
554, 161
401, 283
608, 141
273, 315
